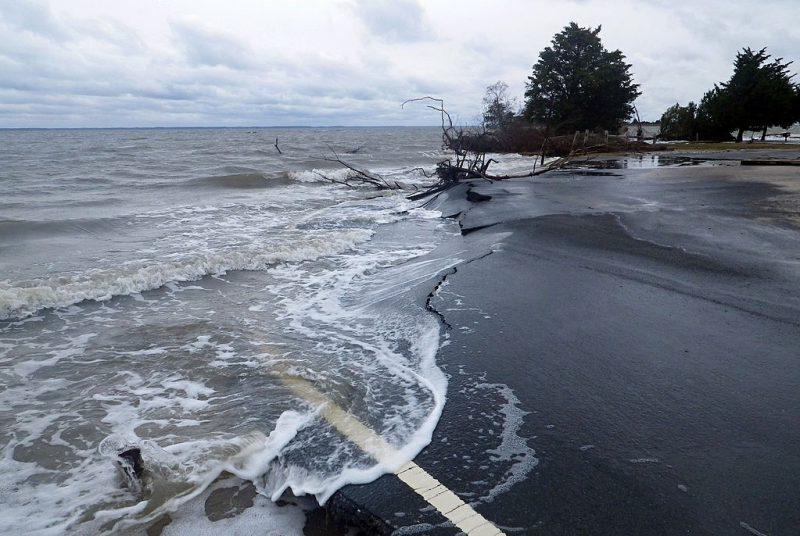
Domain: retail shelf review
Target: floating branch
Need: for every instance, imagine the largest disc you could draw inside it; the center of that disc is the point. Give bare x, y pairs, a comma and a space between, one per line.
357, 149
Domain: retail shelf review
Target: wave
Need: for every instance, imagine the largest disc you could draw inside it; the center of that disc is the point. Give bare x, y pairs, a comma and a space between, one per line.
373, 341
12, 231
403, 174
24, 298
240, 181
318, 175
251, 179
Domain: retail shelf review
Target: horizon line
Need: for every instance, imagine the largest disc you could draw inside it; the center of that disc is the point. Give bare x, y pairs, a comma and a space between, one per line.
218, 126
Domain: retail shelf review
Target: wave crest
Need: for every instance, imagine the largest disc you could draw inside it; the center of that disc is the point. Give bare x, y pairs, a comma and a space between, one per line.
23, 298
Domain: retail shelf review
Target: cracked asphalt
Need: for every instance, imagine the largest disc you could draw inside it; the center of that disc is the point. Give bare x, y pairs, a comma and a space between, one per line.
622, 351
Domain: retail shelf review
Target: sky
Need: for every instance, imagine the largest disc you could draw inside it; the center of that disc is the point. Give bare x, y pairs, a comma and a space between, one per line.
121, 63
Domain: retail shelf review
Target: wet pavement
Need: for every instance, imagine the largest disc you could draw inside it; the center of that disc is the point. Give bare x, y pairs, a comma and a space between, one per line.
622, 355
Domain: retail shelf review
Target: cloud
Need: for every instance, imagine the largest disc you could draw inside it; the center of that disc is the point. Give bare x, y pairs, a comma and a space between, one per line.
34, 18
150, 63
394, 20
203, 46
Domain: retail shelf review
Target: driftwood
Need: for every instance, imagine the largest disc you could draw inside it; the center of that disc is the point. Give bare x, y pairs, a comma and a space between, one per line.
358, 176
276, 146
356, 149
465, 163
446, 183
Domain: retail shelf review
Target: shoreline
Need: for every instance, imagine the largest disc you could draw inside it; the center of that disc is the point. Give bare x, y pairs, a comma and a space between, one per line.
619, 343
653, 360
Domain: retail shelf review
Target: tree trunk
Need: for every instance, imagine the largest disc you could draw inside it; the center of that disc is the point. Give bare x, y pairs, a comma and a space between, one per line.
739, 135
764, 134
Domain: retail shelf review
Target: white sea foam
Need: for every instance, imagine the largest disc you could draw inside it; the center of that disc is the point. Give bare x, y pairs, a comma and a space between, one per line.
514, 164
196, 465
184, 375
404, 175
319, 175
23, 298
337, 307
513, 447
264, 517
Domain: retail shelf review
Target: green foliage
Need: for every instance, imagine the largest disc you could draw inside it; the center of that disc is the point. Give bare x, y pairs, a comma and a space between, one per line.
761, 92
713, 120
577, 84
678, 122
498, 107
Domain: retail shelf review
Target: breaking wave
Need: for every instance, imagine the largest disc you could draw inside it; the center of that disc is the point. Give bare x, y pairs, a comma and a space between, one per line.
23, 298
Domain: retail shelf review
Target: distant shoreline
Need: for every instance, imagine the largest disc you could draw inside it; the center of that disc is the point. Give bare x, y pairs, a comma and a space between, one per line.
218, 128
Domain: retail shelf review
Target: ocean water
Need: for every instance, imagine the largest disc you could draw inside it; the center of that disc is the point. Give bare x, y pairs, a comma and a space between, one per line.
161, 289
157, 287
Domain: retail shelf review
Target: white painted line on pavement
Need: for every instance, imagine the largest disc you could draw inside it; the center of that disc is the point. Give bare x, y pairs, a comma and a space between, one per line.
431, 490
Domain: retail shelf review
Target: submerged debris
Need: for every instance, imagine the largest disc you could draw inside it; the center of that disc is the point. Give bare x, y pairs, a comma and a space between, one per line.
131, 463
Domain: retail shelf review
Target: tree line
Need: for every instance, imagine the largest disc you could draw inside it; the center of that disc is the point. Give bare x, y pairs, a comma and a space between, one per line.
759, 94
579, 85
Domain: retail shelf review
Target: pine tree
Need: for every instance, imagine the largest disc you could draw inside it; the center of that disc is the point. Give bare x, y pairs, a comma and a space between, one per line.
577, 84
760, 92
678, 122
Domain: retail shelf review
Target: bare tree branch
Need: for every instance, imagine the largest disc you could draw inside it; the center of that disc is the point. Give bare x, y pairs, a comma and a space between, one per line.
465, 163
356, 149
468, 162
360, 175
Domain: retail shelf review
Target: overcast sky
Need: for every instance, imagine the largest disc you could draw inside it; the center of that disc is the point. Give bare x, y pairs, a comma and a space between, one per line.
75, 63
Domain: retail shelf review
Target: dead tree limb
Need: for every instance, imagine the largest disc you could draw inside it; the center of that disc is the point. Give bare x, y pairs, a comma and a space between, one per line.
276, 146
358, 176
356, 149
331, 179
464, 164
467, 162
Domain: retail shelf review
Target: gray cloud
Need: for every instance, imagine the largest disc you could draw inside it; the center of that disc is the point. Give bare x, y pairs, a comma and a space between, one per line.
394, 20
34, 18
145, 63
211, 48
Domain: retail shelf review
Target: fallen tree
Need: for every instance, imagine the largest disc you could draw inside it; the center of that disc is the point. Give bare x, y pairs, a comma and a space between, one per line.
467, 162
469, 159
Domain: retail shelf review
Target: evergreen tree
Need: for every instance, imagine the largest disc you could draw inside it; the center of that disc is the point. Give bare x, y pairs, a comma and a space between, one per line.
713, 120
577, 84
760, 92
678, 122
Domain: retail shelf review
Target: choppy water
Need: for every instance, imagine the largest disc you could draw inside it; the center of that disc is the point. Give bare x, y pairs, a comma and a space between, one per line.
158, 287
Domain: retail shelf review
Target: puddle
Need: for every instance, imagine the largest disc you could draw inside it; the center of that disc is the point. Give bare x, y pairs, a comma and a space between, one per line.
645, 161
